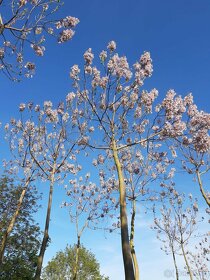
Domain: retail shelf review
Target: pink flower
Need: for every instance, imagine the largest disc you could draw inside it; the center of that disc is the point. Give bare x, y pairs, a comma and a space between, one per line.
111, 46
70, 97
88, 56
103, 56
74, 72
30, 66
119, 67
39, 50
22, 107
67, 22
65, 35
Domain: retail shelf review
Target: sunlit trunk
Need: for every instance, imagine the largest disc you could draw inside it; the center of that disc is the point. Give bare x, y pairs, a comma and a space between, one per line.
46, 231
186, 261
126, 249
12, 222
175, 264
133, 252
201, 188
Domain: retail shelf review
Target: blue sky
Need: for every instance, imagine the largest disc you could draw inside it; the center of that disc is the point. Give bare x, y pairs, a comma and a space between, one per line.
177, 35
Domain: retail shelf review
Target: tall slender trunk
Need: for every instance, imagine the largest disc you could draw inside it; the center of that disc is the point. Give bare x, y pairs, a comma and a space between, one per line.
77, 259
12, 222
126, 249
175, 264
46, 231
186, 261
133, 252
201, 188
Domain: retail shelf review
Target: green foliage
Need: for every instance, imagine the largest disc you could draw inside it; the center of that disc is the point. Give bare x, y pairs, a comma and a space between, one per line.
62, 265
23, 243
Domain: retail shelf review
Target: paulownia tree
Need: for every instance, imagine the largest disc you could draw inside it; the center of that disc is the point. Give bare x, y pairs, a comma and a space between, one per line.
142, 172
199, 257
89, 207
176, 226
26, 23
43, 133
112, 113
193, 146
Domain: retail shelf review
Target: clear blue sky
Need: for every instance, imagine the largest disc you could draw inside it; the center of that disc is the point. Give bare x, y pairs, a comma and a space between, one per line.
177, 33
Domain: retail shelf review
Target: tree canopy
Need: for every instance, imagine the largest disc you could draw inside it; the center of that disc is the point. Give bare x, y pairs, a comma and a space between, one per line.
62, 265
23, 243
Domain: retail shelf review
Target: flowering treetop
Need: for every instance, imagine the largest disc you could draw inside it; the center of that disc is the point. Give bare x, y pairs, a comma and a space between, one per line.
24, 22
41, 137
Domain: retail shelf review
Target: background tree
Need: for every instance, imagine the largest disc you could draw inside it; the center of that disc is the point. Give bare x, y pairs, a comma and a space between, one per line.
176, 226
199, 257
22, 245
193, 147
44, 135
22, 170
89, 207
62, 265
24, 24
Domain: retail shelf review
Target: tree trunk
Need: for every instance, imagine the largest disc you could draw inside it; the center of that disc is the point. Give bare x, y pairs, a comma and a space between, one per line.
77, 259
126, 249
46, 234
133, 252
201, 188
186, 261
175, 264
12, 222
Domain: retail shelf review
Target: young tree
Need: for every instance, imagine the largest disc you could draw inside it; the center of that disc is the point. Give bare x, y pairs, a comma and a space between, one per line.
44, 135
199, 257
22, 245
26, 23
176, 225
112, 113
62, 266
89, 206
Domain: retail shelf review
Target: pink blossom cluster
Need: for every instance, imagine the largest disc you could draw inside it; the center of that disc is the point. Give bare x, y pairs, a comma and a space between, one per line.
70, 97
143, 68
89, 200
74, 73
112, 46
28, 23
173, 105
41, 139
67, 22
103, 56
65, 35
118, 66
39, 50
30, 66
195, 130
88, 57
148, 98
